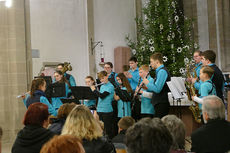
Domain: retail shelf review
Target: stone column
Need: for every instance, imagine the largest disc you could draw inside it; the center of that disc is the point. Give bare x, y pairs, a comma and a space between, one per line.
13, 68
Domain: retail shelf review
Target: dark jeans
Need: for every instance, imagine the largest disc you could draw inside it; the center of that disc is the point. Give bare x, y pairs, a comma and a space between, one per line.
107, 118
161, 109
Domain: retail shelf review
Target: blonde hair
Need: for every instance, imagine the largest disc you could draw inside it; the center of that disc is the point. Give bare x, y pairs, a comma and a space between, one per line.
102, 74
82, 124
144, 67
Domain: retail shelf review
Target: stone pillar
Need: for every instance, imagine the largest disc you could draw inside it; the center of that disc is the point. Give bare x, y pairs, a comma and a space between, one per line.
13, 68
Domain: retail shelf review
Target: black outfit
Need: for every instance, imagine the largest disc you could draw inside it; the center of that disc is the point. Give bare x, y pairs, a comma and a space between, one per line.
100, 145
36, 97
57, 125
212, 137
218, 80
160, 100
108, 120
30, 139
120, 137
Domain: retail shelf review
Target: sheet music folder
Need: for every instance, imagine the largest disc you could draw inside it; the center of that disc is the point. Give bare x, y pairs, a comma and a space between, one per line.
82, 92
175, 92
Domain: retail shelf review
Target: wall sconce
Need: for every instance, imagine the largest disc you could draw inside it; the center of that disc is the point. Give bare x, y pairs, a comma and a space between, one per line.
8, 3
94, 45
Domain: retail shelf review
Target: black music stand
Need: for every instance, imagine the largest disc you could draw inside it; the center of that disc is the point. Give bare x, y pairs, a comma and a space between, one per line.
83, 92
70, 100
56, 90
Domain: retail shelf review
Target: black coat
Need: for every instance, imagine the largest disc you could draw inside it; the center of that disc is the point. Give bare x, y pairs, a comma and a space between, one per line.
30, 139
57, 125
120, 137
212, 137
100, 145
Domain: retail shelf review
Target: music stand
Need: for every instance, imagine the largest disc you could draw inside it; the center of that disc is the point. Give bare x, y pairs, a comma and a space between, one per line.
83, 92
70, 100
56, 90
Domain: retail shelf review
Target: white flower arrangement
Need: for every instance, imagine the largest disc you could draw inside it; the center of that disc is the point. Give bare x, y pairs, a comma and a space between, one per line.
161, 26
195, 45
169, 38
173, 35
151, 41
142, 47
176, 18
186, 60
152, 49
186, 47
173, 4
179, 49
165, 59
172, 46
157, 2
182, 70
134, 51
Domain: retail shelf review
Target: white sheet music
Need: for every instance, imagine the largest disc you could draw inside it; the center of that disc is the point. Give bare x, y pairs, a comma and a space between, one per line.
178, 83
175, 91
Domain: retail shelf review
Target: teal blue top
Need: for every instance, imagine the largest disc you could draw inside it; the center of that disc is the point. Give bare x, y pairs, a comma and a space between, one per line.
158, 84
135, 78
105, 104
123, 108
146, 105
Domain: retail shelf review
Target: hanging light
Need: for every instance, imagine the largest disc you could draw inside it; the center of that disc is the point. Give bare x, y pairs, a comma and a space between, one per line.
8, 3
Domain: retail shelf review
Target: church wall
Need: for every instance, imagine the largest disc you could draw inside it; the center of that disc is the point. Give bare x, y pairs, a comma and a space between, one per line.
113, 20
59, 31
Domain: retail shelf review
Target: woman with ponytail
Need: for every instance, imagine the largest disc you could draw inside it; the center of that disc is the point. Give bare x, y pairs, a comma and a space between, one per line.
37, 94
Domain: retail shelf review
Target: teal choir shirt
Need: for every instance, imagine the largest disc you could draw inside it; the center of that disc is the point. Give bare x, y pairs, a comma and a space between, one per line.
105, 105
206, 88
135, 78
158, 84
198, 67
126, 105
56, 101
89, 103
146, 105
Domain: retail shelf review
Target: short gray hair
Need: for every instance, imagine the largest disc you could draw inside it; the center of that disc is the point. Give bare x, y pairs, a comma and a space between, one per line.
214, 107
177, 129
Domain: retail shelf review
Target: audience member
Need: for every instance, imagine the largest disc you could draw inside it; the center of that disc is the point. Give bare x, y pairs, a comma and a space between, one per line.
148, 136
177, 129
84, 126
63, 144
58, 123
214, 136
123, 124
34, 134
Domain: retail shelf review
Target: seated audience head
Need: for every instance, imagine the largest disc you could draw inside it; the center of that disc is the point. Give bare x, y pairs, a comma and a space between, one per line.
65, 109
37, 84
59, 76
60, 66
148, 136
108, 67
125, 122
63, 144
197, 56
156, 60
103, 76
133, 62
177, 129
208, 57
206, 72
82, 124
36, 114
213, 108
89, 81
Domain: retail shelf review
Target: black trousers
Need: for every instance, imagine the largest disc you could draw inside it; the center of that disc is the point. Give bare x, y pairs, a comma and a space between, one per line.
161, 109
147, 115
107, 118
